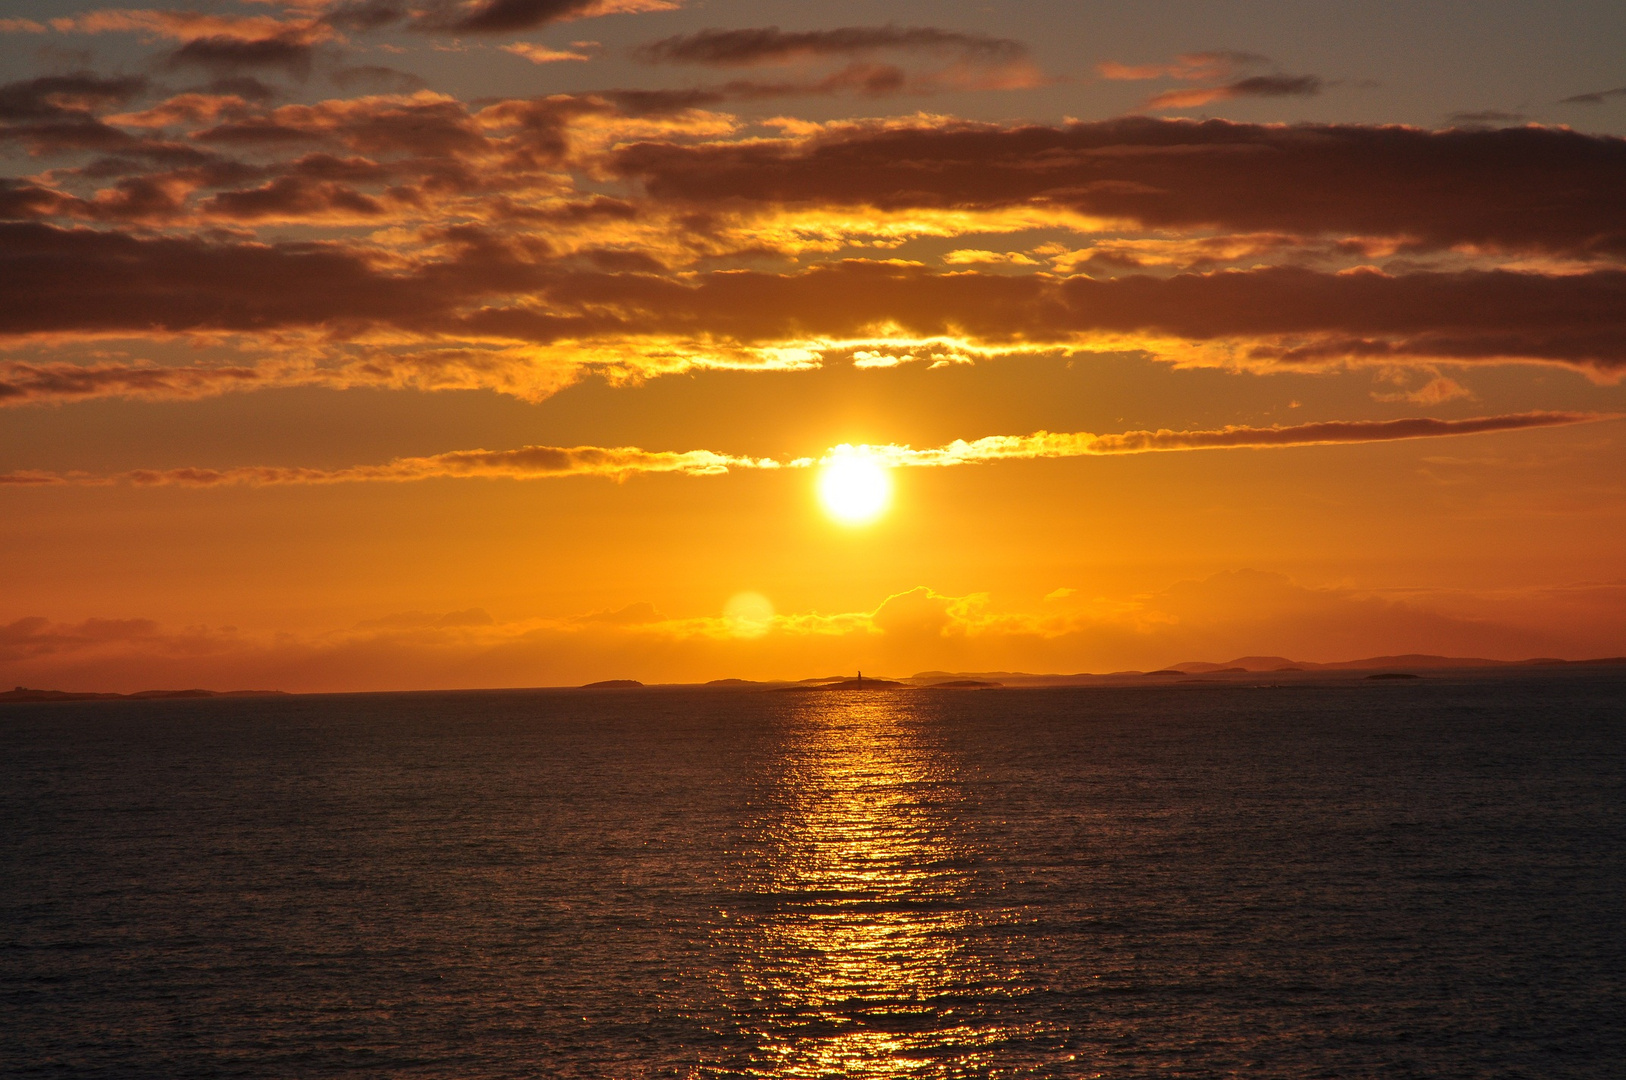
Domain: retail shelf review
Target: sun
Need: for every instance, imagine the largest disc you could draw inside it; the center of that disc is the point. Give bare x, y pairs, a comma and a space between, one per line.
855, 488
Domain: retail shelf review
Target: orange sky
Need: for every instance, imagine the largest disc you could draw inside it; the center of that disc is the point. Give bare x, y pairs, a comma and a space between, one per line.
503, 343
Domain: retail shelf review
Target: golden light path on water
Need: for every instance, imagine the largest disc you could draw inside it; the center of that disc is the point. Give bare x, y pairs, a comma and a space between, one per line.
857, 959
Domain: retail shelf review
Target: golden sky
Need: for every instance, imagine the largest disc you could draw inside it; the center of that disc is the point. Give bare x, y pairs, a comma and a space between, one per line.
377, 345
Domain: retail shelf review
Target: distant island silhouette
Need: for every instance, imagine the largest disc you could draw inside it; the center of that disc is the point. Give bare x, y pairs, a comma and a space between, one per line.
860, 683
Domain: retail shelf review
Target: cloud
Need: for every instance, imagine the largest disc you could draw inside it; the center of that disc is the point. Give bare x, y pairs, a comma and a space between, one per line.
976, 62
640, 614
1435, 389
425, 620
621, 462
1044, 444
24, 382
224, 44
125, 283
225, 55
977, 256
364, 14
1188, 67
1254, 86
539, 281
1526, 188
33, 637
1209, 67
1518, 190
187, 109
509, 16
243, 86
294, 198
376, 77
1597, 97
525, 373
193, 25
479, 288
863, 79
525, 463
1274, 316
540, 54
771, 45
58, 97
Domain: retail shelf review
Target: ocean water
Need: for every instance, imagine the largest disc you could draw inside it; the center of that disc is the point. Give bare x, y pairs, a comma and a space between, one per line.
1421, 879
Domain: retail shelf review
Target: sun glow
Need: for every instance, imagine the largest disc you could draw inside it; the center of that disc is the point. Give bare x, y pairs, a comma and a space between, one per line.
748, 614
854, 487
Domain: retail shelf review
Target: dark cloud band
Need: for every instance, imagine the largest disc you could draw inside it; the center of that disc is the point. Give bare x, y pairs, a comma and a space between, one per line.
770, 44
1529, 188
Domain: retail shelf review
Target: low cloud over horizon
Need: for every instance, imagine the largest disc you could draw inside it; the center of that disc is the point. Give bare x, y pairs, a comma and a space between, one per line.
915, 630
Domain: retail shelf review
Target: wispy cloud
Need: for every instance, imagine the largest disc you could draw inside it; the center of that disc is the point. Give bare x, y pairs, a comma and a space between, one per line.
1222, 67
1596, 97
771, 45
1187, 67
525, 463
1044, 444
541, 54
1264, 86
621, 462
510, 16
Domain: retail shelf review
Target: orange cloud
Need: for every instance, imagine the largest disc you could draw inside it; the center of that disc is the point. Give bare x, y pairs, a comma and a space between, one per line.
192, 25
525, 463
507, 16
1044, 444
541, 54
1188, 67
445, 245
478, 310
1254, 86
620, 462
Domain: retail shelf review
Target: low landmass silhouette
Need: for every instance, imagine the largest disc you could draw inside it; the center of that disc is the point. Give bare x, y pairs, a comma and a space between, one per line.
1191, 672
23, 693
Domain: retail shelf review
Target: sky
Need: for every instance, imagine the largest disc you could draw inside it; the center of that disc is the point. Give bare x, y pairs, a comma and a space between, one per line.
411, 344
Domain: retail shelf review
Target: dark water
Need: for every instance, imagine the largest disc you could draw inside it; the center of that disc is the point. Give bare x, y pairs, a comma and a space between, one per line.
1373, 880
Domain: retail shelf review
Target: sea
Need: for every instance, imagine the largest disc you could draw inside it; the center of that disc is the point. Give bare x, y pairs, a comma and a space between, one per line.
1328, 878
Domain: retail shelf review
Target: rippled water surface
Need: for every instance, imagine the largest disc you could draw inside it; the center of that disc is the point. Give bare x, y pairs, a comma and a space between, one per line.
1366, 880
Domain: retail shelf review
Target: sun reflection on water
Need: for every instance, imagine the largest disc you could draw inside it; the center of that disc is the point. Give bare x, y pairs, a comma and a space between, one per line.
853, 953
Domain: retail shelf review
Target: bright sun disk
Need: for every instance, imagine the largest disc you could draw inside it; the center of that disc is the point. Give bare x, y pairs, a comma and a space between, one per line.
855, 488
